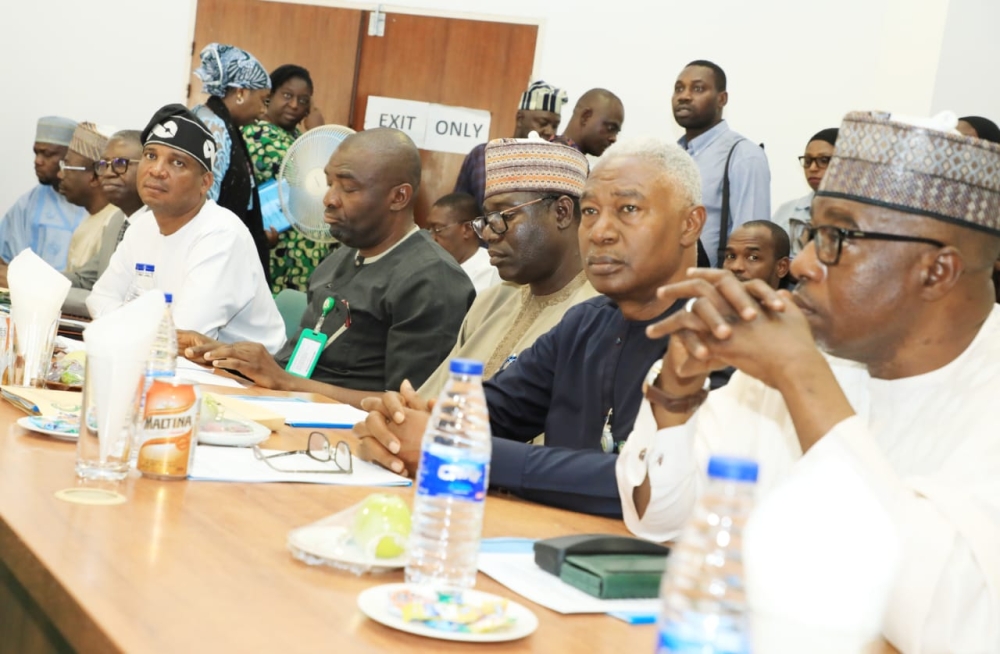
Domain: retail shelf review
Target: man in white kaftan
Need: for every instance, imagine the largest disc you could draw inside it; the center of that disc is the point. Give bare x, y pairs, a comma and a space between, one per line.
895, 278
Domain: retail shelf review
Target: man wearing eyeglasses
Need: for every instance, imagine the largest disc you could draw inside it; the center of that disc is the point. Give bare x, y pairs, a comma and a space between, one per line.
116, 171
884, 362
531, 229
579, 383
79, 184
450, 224
42, 219
819, 152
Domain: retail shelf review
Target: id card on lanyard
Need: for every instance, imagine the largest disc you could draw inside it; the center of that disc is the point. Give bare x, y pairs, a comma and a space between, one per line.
312, 342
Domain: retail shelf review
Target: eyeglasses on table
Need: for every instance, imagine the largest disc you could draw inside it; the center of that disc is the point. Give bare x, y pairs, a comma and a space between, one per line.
318, 448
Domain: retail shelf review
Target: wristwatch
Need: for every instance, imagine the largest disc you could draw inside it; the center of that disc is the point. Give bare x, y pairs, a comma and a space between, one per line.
657, 396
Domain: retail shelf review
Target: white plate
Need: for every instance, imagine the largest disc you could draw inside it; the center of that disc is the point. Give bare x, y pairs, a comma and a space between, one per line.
331, 544
259, 434
374, 603
48, 426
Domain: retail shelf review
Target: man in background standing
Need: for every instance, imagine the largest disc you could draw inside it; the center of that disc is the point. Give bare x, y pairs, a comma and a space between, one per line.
722, 156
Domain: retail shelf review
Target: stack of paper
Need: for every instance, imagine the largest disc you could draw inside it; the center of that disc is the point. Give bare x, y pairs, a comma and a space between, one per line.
196, 374
239, 464
298, 412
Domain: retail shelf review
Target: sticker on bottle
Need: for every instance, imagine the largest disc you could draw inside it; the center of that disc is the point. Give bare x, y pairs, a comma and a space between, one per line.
462, 478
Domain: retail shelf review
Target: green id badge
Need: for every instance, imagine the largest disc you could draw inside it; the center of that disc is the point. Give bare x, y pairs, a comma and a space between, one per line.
306, 354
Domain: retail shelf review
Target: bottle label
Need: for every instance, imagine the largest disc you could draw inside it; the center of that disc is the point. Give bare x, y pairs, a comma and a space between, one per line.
464, 479
673, 640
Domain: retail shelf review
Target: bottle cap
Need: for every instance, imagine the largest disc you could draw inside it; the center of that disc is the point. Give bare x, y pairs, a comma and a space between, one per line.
169, 297
733, 468
150, 267
140, 266
466, 366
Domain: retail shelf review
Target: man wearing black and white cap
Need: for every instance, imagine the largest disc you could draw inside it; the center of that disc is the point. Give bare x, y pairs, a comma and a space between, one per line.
203, 254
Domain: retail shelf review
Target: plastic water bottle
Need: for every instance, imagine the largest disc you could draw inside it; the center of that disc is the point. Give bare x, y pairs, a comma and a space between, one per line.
704, 607
162, 360
161, 364
451, 484
142, 281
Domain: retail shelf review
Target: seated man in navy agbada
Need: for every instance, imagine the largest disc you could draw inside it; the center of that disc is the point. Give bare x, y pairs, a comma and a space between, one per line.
580, 383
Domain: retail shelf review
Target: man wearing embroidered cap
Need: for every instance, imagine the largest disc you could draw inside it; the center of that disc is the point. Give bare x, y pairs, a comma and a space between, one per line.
201, 252
578, 383
42, 219
887, 355
540, 111
531, 228
79, 184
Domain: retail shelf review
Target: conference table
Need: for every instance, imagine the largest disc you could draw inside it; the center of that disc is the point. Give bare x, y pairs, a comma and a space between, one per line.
195, 566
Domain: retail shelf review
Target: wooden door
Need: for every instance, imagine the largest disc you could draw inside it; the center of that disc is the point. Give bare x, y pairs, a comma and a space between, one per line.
324, 40
464, 63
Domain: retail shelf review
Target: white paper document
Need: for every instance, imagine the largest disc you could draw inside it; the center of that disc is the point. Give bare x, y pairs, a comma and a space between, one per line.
240, 465
518, 572
301, 413
192, 372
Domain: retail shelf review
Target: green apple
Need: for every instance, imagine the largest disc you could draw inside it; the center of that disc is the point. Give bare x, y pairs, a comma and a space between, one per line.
382, 525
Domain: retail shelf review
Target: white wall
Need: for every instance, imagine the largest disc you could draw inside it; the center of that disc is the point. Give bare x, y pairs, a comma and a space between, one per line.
112, 62
794, 67
967, 80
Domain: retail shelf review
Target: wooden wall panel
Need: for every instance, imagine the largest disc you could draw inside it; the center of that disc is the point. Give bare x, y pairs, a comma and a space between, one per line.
466, 63
322, 39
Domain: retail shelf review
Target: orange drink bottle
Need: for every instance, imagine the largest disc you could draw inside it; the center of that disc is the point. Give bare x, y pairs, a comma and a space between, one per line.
169, 429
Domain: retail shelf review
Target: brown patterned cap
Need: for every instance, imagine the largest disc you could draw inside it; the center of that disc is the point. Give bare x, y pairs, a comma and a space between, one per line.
916, 170
88, 142
534, 165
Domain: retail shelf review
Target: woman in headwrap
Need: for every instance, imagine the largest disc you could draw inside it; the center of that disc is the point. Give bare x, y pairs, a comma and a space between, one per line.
295, 257
819, 149
238, 88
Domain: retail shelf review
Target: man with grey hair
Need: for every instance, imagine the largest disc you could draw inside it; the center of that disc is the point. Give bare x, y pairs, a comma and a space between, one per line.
580, 382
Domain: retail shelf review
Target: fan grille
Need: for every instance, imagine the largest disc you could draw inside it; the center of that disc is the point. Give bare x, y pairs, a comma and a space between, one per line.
302, 180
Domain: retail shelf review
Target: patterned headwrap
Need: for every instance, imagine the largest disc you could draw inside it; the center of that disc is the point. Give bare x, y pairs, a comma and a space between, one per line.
55, 130
88, 141
916, 169
226, 66
534, 165
543, 97
176, 127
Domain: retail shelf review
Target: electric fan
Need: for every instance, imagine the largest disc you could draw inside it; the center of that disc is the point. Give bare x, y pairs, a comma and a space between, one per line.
302, 182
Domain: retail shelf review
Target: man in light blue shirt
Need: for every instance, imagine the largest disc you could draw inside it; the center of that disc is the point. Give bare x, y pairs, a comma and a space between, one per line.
42, 219
699, 98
